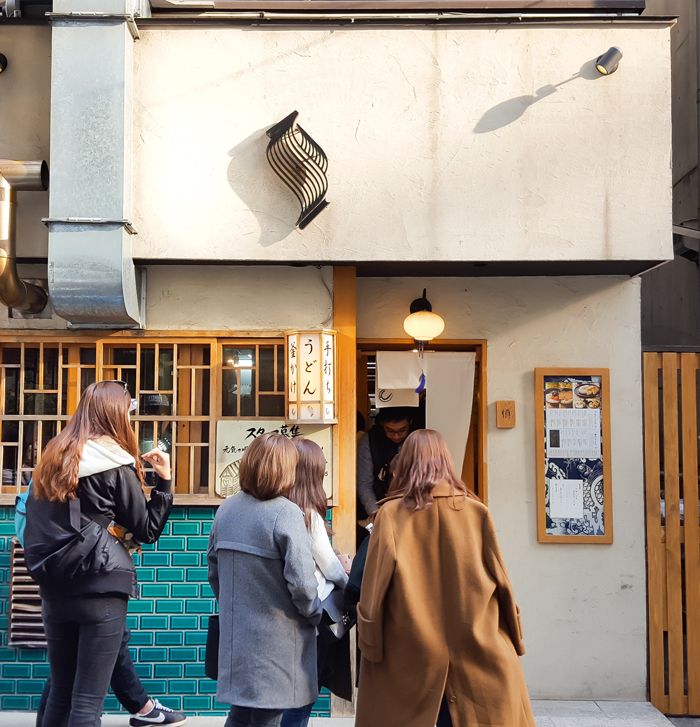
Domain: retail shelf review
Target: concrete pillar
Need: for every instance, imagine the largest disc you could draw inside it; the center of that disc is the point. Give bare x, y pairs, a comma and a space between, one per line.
92, 279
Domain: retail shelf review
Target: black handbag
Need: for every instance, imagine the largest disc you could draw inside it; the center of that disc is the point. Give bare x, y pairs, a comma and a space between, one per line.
211, 654
337, 618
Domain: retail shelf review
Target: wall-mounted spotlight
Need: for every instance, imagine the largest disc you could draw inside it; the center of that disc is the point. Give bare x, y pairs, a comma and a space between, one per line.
609, 61
3, 63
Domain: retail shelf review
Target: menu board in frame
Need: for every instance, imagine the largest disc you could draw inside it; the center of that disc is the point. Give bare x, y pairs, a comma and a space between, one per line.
573, 456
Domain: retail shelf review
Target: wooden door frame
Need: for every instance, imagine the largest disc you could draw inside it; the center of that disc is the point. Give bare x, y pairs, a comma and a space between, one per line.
477, 345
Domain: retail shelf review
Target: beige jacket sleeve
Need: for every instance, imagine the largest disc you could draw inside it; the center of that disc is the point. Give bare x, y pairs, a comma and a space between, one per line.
379, 570
493, 560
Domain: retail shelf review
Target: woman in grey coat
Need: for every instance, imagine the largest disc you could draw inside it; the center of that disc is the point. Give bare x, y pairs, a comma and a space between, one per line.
261, 569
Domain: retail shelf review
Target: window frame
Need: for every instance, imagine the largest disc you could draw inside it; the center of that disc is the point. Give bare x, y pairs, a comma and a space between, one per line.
216, 340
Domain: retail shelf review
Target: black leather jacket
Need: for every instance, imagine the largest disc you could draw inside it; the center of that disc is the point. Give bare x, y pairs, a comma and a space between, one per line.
95, 562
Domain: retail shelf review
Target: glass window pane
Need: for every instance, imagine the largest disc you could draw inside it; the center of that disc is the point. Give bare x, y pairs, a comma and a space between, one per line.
148, 357
248, 392
281, 370
48, 432
11, 391
266, 374
31, 367
87, 355
87, 377
122, 356
10, 431
51, 367
10, 355
41, 404
165, 368
239, 358
155, 405
29, 445
272, 406
9, 466
229, 393
146, 436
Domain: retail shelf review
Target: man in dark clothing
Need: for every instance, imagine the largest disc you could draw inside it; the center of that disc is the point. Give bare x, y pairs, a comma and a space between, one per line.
375, 451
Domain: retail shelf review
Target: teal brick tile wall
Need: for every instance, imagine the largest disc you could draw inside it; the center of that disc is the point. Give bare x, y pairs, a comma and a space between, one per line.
168, 622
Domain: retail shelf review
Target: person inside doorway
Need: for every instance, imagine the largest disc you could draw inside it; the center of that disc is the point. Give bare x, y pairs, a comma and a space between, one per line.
375, 451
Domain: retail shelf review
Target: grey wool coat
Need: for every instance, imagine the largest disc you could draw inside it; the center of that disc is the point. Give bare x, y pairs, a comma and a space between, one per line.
262, 572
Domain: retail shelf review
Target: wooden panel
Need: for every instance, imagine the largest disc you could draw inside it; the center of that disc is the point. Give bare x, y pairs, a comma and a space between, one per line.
673, 529
656, 583
691, 526
345, 440
671, 488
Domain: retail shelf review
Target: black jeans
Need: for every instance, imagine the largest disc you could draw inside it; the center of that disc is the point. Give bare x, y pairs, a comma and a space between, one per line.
253, 717
84, 635
125, 684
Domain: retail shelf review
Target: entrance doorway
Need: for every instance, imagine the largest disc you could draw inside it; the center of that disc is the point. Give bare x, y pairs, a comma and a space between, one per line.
474, 470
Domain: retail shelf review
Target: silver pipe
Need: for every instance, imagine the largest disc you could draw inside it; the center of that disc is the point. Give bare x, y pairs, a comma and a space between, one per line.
18, 177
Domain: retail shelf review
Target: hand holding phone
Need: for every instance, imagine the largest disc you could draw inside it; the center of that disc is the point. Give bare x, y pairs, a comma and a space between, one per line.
160, 461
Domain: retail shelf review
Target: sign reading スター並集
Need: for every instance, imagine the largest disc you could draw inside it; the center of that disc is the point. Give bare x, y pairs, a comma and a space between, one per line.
233, 437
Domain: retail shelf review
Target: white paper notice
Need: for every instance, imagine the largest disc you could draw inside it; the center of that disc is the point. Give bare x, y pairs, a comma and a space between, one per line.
566, 499
573, 434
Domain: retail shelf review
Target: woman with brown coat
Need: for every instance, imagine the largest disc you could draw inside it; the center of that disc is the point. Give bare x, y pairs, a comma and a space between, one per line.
438, 626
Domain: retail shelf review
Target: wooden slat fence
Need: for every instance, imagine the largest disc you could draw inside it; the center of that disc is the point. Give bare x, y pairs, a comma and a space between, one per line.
671, 417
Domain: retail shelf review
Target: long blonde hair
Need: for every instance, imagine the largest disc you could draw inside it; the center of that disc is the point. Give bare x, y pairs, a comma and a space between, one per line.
423, 462
103, 410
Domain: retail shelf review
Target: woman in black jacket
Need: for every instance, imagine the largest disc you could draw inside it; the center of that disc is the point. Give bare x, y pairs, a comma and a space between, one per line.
88, 490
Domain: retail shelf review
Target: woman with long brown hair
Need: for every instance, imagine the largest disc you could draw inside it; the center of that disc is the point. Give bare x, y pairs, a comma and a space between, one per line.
438, 626
307, 492
89, 480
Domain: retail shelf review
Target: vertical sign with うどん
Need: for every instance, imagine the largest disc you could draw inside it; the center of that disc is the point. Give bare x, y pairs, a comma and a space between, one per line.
574, 487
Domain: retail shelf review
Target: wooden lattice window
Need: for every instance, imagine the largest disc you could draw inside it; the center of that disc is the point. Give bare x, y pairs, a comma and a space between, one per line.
253, 380
183, 386
40, 384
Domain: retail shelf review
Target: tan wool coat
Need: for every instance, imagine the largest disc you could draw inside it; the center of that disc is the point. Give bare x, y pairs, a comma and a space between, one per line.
437, 617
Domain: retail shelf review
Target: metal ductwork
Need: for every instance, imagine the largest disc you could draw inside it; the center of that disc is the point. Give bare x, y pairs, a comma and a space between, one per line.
18, 177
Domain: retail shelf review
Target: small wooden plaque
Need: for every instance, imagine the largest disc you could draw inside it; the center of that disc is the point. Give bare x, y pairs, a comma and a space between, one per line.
505, 414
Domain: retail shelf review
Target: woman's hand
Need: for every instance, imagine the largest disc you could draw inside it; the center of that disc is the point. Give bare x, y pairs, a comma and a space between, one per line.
345, 561
160, 461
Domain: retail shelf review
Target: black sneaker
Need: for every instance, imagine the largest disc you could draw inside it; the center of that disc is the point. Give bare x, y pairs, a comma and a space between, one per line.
158, 715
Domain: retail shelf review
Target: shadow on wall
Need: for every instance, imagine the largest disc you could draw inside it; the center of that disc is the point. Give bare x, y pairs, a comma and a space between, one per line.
252, 179
511, 110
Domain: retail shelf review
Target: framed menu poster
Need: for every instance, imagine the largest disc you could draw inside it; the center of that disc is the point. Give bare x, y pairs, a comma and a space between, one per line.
572, 439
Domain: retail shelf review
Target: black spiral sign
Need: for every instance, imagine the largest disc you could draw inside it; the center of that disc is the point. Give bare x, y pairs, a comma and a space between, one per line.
301, 164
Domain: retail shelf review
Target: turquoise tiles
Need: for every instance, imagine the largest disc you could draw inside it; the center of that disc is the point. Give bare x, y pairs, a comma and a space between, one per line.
168, 622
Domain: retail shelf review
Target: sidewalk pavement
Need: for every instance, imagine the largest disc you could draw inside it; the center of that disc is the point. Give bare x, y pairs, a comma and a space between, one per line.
549, 713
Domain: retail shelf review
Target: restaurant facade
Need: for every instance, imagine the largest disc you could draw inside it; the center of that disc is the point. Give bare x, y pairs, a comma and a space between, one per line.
480, 156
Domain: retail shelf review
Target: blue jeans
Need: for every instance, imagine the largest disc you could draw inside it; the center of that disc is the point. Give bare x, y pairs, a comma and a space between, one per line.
297, 716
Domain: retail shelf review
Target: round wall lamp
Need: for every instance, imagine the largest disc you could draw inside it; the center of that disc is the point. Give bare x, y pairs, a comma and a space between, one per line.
609, 61
422, 324
3, 63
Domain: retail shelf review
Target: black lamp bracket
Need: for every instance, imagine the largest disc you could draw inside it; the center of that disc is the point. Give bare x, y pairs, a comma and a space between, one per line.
421, 303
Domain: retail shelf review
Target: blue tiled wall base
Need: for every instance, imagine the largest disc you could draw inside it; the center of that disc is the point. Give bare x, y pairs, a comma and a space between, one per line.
168, 623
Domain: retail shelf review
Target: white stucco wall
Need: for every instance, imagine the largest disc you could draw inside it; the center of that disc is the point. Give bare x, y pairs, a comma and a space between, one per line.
25, 94
220, 298
463, 143
583, 605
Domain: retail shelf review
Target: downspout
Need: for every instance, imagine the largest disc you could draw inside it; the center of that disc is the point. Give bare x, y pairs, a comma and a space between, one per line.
18, 177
